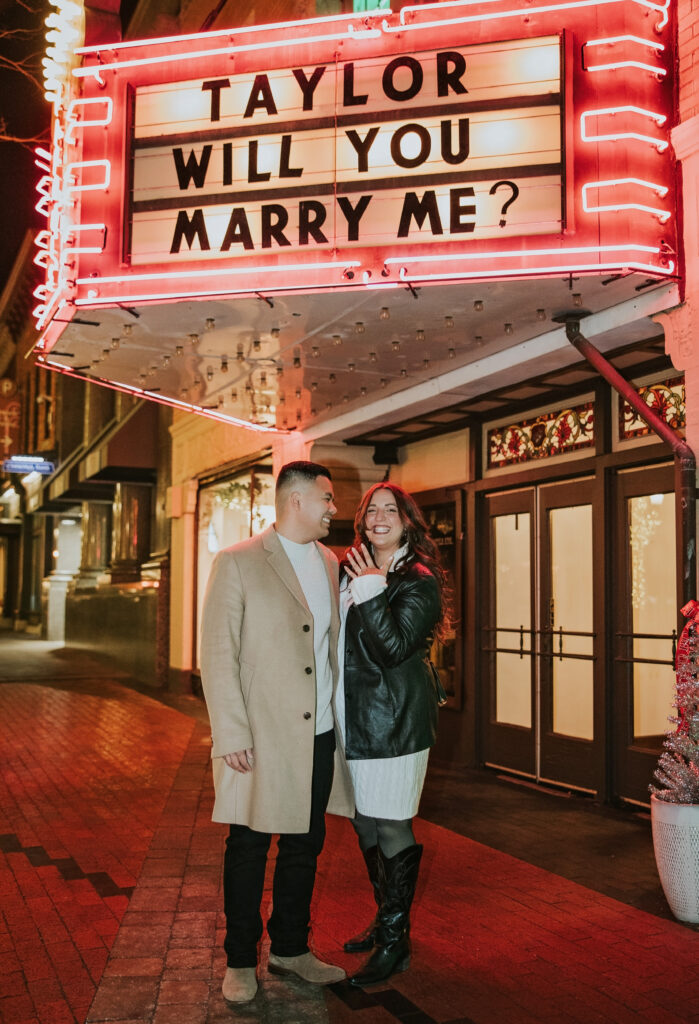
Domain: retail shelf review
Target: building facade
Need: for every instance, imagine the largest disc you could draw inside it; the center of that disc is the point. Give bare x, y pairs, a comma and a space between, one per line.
437, 361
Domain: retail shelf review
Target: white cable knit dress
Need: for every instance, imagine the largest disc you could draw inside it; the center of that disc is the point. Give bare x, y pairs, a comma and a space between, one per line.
386, 787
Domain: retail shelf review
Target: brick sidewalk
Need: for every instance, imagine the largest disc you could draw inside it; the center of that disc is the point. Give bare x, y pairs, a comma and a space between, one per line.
86, 773
111, 875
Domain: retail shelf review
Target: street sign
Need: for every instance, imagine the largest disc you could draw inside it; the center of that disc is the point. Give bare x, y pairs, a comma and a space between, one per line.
27, 464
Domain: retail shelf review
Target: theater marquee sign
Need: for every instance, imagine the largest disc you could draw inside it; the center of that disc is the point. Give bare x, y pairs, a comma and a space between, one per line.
468, 140
456, 143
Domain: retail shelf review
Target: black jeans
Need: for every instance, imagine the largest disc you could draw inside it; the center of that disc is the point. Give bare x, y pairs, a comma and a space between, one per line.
294, 875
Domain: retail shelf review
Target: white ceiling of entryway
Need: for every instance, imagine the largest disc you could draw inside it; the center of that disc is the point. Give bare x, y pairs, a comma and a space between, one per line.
330, 363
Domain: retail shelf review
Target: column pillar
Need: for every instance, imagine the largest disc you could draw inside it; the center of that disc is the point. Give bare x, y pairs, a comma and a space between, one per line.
96, 544
182, 509
681, 324
130, 531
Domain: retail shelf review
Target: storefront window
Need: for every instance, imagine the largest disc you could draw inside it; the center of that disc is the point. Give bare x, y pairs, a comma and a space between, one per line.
231, 510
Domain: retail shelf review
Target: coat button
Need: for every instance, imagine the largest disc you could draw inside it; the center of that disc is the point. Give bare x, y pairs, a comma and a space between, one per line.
307, 715
308, 670
306, 627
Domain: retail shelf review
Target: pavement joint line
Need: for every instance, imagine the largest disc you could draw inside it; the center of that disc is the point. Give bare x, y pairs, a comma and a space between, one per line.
69, 869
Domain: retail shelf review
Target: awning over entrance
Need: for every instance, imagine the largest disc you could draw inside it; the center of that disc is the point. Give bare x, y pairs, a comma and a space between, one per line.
128, 453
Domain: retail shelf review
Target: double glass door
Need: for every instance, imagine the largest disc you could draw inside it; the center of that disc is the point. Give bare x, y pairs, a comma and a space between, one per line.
539, 650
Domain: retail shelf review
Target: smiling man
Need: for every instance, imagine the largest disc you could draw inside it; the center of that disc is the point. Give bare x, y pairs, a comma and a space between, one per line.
269, 670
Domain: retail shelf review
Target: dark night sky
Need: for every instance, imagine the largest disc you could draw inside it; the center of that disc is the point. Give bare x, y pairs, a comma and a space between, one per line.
26, 113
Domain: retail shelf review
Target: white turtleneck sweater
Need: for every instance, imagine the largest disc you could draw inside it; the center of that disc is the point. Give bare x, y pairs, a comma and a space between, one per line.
309, 566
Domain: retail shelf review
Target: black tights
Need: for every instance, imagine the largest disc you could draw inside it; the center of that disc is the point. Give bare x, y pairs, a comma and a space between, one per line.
389, 835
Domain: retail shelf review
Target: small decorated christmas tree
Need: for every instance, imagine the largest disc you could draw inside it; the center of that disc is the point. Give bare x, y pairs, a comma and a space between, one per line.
678, 768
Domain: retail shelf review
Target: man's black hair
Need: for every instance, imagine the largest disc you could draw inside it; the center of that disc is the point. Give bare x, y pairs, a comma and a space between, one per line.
300, 470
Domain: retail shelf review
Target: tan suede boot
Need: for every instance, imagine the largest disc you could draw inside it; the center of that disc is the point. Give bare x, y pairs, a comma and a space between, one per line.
239, 984
307, 967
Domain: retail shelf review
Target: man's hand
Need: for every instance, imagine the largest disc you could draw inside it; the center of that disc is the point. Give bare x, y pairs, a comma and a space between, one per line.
241, 761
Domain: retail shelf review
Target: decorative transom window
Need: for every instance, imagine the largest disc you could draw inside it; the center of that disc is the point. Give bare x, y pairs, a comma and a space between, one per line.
666, 398
546, 435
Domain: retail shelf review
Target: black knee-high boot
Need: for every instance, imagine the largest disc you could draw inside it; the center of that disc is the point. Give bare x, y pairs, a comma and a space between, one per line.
398, 878
365, 941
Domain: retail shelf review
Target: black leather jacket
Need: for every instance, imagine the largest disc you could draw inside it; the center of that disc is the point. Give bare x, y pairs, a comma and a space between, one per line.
390, 701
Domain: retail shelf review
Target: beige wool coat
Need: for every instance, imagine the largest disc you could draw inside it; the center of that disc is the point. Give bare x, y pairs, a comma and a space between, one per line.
258, 674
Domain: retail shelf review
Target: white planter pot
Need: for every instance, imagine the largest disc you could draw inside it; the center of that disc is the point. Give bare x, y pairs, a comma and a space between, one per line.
676, 845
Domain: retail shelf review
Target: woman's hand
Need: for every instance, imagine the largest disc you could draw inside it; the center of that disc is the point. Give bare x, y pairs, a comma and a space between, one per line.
360, 563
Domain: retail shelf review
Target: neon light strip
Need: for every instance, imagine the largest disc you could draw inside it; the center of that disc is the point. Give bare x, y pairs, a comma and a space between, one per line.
74, 123
653, 68
626, 39
302, 287
80, 164
157, 397
646, 268
96, 69
659, 119
393, 260
405, 11
524, 12
660, 190
44, 184
88, 249
231, 32
218, 271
